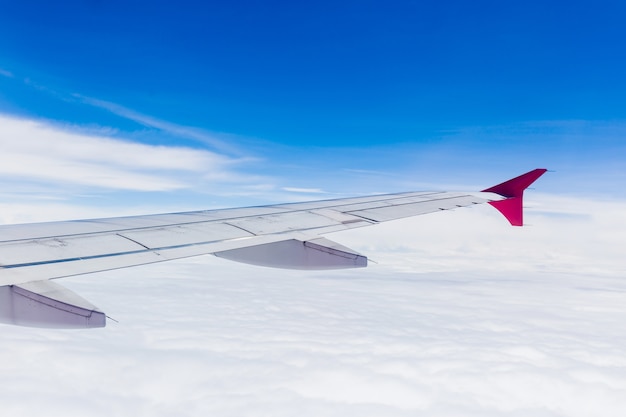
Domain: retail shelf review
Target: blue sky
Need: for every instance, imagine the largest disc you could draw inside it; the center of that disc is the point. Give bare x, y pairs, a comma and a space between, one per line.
348, 97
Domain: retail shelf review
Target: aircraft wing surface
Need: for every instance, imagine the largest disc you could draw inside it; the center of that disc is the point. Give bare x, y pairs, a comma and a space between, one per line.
283, 236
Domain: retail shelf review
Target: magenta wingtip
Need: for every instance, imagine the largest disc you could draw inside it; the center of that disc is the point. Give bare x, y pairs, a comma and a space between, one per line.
512, 206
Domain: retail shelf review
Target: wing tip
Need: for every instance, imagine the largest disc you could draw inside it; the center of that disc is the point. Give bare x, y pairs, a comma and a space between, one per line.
515, 186
513, 191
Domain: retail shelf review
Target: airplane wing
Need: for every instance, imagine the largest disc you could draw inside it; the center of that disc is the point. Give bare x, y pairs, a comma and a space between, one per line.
282, 236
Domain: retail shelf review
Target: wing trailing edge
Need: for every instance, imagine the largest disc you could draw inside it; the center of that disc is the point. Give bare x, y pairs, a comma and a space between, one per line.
513, 191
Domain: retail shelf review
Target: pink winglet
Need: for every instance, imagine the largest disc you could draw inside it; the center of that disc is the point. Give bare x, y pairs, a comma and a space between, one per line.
513, 190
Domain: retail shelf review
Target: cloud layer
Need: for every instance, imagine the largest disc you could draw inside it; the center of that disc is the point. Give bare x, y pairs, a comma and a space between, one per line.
462, 315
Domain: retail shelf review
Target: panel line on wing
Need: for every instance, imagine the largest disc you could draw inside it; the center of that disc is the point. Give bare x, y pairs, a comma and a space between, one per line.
371, 221
132, 240
239, 227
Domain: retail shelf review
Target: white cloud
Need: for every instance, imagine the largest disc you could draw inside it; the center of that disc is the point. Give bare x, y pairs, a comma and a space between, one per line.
6, 73
304, 190
51, 154
463, 315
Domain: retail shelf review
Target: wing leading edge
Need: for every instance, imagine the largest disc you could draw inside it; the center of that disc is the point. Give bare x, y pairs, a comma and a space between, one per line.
283, 236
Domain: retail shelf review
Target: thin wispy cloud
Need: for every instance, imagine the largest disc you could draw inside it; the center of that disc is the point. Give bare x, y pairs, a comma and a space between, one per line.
188, 132
217, 142
370, 172
304, 190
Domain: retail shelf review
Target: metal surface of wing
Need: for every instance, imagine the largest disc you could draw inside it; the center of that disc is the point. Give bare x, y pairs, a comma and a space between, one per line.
283, 236
59, 249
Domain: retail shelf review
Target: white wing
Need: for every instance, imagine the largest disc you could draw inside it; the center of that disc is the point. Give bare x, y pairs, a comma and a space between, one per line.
284, 236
